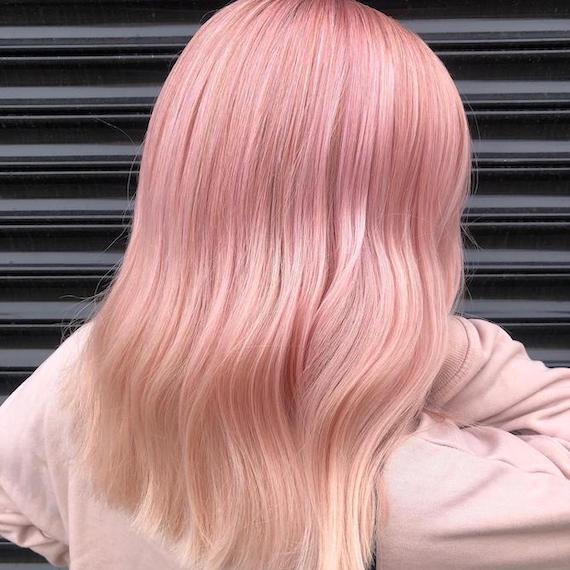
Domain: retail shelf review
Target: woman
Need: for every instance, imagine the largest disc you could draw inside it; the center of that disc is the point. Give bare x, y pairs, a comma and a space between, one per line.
277, 378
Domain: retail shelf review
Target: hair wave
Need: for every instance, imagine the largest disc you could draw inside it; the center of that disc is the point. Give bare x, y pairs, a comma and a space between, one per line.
282, 308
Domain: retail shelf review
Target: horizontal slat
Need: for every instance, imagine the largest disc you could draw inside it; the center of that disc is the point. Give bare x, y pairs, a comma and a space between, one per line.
61, 249
52, 301
138, 69
28, 313
547, 340
15, 558
478, 94
76, 197
513, 95
118, 211
488, 153
441, 33
76, 99
521, 240
64, 10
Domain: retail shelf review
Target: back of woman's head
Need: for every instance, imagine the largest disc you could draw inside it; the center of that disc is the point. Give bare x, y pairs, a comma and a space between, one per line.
281, 310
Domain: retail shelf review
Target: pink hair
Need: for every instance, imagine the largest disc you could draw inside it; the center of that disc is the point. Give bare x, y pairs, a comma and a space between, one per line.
282, 307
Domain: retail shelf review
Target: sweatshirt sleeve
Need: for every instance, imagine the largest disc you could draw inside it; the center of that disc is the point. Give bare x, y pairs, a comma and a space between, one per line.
489, 378
19, 529
476, 498
33, 461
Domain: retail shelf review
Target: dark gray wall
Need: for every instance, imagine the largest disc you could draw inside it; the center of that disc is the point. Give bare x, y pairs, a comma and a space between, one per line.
77, 84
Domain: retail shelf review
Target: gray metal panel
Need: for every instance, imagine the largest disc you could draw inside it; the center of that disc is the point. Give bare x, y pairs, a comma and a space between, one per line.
77, 86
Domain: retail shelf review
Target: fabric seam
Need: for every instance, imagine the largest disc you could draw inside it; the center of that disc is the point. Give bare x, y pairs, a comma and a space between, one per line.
458, 375
491, 459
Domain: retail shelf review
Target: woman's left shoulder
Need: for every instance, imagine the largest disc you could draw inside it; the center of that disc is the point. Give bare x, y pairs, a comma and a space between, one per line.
34, 460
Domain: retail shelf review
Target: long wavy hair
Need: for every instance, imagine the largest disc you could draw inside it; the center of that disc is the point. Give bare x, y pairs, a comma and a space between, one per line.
282, 308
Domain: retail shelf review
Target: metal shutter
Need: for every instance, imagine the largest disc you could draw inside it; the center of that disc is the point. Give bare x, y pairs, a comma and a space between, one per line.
78, 80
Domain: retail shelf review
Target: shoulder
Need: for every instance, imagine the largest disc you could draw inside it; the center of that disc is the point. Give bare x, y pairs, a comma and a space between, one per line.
34, 474
29, 417
472, 445
61, 359
38, 388
447, 484
476, 345
484, 335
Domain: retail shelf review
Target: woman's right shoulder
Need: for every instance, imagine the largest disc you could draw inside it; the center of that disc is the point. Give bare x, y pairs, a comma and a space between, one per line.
476, 497
501, 384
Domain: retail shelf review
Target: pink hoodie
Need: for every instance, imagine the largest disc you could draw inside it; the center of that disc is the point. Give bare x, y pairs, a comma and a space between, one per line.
495, 497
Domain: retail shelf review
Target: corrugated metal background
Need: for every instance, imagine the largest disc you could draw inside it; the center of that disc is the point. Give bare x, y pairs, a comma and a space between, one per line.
77, 84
